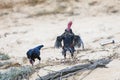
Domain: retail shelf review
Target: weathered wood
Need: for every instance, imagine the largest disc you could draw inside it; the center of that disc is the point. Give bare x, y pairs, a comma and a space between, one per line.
63, 72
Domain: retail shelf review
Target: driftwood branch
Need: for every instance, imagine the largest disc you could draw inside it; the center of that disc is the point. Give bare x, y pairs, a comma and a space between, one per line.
89, 66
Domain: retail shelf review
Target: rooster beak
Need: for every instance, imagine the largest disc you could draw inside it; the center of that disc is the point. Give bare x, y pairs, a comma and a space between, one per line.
31, 61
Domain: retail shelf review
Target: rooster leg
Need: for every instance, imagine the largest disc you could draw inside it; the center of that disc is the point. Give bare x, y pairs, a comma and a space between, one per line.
39, 58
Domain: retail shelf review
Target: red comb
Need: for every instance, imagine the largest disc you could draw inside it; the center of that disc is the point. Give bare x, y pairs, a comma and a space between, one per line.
69, 25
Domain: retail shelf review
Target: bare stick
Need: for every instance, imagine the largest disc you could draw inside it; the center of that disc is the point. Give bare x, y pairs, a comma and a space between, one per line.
107, 42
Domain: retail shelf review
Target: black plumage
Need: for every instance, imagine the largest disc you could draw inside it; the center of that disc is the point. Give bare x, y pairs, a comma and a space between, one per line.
34, 53
70, 41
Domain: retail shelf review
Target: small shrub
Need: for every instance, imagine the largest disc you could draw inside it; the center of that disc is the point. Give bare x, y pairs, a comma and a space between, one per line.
3, 63
4, 56
17, 73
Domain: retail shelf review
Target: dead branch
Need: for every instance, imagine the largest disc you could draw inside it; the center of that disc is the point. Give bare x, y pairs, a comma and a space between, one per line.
89, 66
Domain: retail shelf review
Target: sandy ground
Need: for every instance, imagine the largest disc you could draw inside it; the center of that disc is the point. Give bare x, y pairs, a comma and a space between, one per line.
19, 33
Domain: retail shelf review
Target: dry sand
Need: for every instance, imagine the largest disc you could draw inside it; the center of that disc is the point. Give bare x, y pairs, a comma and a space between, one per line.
18, 33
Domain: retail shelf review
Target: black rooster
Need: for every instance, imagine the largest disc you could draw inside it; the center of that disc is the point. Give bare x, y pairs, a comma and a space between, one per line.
34, 53
70, 41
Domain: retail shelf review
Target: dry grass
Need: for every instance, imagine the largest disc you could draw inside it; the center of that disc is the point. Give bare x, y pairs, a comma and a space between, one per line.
7, 4
34, 2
